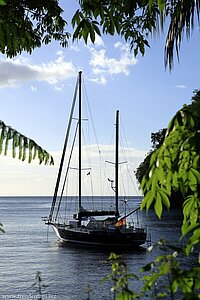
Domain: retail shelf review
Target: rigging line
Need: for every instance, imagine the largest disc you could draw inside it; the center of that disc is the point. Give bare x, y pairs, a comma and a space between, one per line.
98, 102
96, 139
90, 114
124, 203
63, 154
110, 150
122, 184
134, 210
68, 200
69, 161
88, 151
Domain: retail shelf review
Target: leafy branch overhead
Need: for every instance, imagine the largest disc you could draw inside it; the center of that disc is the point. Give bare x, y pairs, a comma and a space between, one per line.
25, 146
25, 25
136, 22
175, 166
111, 17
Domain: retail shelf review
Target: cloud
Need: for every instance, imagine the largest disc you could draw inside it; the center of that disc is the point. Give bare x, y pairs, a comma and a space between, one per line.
99, 79
22, 178
59, 87
33, 88
20, 70
97, 43
14, 72
181, 86
107, 153
75, 48
104, 66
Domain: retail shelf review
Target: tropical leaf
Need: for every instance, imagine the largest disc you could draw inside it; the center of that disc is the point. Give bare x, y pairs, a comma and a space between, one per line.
193, 240
188, 204
188, 229
147, 200
22, 144
158, 205
196, 173
161, 4
164, 198
182, 15
192, 178
167, 161
2, 2
26, 25
161, 175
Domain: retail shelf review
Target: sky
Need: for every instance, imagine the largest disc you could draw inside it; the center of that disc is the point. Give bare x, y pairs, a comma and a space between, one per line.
36, 92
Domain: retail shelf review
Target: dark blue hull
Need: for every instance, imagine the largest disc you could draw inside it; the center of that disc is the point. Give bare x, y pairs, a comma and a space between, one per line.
101, 238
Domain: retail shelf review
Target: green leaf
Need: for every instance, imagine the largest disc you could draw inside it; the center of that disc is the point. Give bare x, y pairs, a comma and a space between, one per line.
30, 151
167, 161
168, 181
161, 4
154, 158
175, 180
192, 178
147, 200
22, 143
77, 32
161, 174
183, 175
20, 146
194, 240
148, 267
92, 34
196, 173
76, 18
187, 229
164, 198
155, 179
158, 206
96, 29
189, 206
2, 2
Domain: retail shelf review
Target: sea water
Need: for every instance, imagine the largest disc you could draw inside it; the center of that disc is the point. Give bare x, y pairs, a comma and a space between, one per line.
67, 272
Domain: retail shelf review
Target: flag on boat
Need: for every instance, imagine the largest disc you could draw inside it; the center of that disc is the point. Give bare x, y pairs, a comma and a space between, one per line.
120, 222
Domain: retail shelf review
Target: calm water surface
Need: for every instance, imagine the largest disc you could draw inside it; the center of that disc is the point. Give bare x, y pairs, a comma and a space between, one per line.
29, 246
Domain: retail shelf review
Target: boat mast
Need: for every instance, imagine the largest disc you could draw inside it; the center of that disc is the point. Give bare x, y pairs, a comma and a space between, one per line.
80, 141
63, 155
117, 165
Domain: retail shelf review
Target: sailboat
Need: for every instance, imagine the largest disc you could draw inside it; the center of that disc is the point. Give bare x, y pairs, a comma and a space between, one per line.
104, 228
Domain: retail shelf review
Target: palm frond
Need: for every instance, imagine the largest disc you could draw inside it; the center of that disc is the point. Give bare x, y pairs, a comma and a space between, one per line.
182, 15
23, 144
